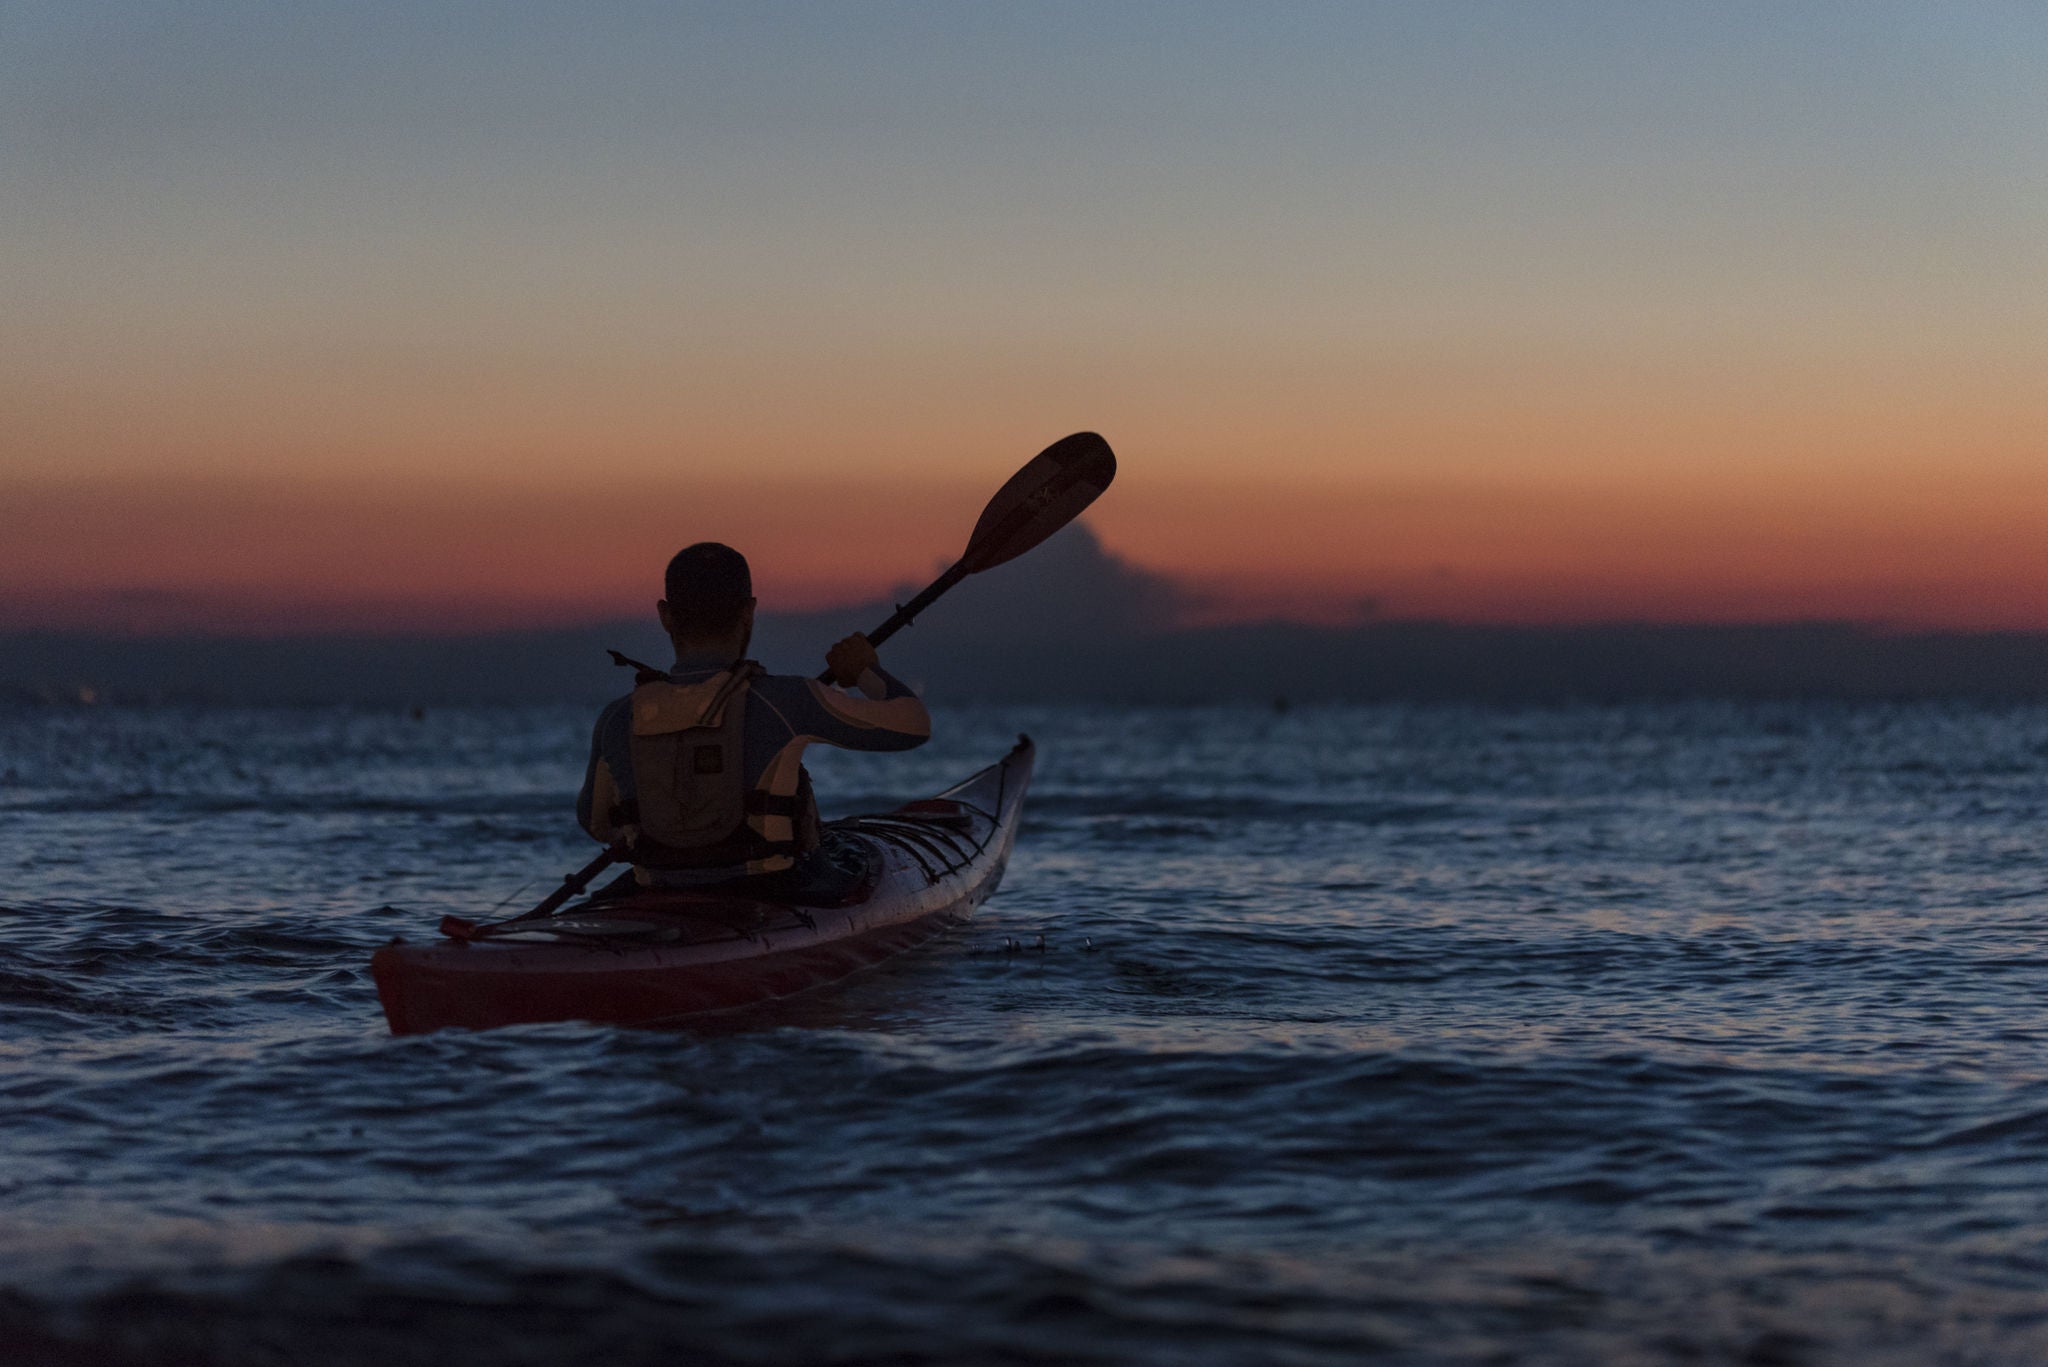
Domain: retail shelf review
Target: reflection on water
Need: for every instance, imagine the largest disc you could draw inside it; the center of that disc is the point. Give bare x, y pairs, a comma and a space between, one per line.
1663, 1034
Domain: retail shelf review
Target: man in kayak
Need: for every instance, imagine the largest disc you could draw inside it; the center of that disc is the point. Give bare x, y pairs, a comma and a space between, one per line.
700, 770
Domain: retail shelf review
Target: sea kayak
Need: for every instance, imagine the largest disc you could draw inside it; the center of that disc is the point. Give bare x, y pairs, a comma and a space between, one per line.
652, 956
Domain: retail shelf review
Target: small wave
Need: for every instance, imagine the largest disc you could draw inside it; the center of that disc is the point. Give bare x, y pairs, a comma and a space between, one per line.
2029, 1128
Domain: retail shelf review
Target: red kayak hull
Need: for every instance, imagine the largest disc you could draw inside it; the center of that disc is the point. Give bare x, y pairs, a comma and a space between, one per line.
928, 880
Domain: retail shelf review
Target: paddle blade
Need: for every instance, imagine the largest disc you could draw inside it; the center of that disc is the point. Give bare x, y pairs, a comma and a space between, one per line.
1040, 499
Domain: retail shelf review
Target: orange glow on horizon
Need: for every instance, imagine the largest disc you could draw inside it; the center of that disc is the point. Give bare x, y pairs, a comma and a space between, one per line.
242, 556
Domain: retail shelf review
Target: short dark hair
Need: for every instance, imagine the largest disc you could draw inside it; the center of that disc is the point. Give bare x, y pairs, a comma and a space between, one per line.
708, 587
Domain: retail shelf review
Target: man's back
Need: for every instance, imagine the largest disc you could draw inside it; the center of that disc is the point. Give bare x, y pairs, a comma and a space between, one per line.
783, 713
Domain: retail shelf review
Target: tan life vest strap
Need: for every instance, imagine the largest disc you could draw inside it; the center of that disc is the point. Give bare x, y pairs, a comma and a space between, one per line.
739, 676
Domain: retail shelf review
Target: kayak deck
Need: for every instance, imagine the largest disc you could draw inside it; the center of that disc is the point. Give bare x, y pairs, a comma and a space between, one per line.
662, 954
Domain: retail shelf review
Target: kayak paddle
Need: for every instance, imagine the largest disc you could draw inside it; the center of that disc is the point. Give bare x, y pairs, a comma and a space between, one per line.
1048, 493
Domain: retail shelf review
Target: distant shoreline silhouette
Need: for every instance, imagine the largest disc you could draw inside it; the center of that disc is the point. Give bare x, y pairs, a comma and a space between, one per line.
1071, 623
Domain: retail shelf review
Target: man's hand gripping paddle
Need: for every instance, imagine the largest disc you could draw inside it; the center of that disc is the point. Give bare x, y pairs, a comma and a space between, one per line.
1048, 493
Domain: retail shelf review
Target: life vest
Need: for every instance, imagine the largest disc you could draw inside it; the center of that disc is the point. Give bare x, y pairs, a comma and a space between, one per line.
693, 807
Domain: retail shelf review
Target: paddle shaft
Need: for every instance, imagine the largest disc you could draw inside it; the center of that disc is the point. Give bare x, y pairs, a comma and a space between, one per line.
577, 881
907, 612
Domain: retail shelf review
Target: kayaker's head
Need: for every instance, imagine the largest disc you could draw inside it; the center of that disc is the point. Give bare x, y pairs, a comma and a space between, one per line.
710, 603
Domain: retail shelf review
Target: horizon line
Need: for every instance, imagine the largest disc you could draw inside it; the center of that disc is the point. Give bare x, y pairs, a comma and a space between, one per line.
252, 632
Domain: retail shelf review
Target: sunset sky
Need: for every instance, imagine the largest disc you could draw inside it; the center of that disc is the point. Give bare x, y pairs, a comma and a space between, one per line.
438, 315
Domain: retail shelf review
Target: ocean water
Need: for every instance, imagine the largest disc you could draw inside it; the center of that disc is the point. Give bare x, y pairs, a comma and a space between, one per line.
1663, 1034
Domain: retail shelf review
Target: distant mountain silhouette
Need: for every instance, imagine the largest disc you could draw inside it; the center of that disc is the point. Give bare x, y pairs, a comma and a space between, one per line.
1070, 621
